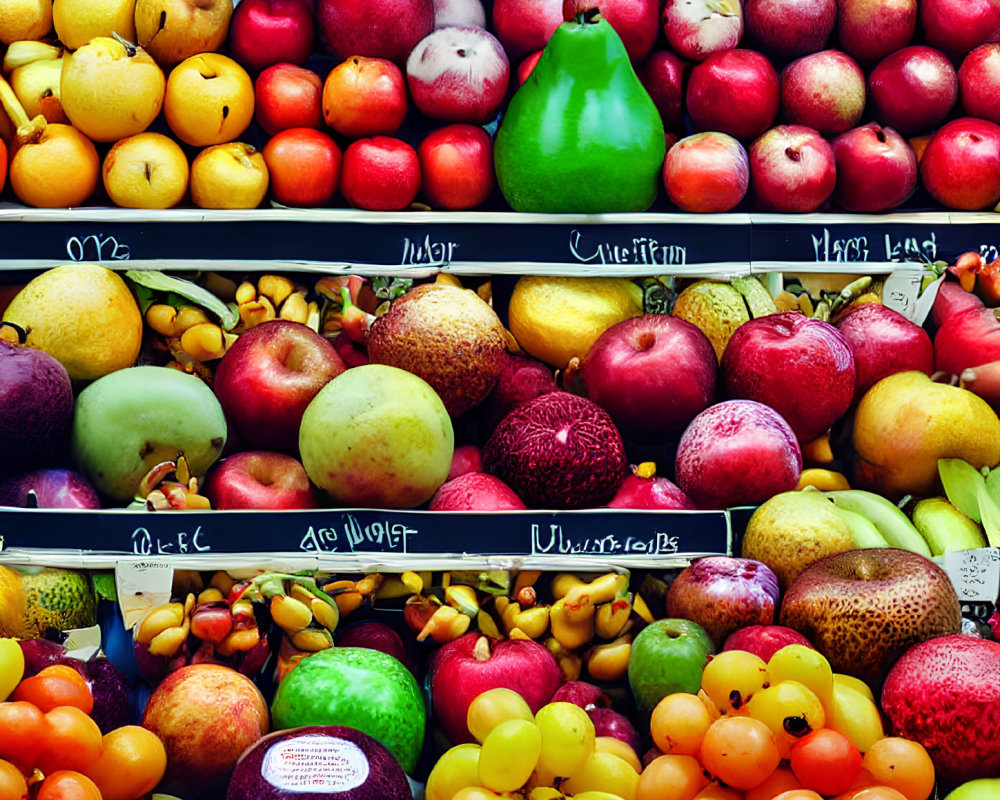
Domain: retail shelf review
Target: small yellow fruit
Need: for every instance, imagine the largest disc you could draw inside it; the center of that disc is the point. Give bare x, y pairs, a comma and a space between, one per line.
148, 170
21, 20
83, 315
209, 100
231, 175
111, 89
78, 21
59, 170
172, 30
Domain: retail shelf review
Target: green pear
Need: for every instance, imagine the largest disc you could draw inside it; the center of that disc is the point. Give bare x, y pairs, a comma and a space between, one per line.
132, 419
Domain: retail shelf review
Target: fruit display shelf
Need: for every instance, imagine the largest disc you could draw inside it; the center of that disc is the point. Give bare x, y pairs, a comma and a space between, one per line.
419, 243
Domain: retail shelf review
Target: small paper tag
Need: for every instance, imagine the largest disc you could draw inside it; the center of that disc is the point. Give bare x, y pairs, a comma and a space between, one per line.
320, 764
141, 587
83, 643
975, 574
902, 292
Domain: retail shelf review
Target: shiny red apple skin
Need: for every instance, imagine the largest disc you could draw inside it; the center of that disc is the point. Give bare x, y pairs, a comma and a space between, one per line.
663, 74
737, 453
375, 636
527, 65
979, 82
288, 96
786, 29
457, 677
653, 373
637, 22
764, 640
792, 169
883, 342
465, 458
303, 165
259, 479
458, 74
959, 26
456, 166
376, 28
706, 172
475, 491
267, 378
51, 487
913, 90
876, 169
800, 366
735, 92
695, 30
380, 173
365, 96
524, 26
868, 30
266, 32
823, 90
961, 165
653, 493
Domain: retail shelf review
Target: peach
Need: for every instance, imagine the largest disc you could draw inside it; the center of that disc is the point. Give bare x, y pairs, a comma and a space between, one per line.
365, 96
706, 172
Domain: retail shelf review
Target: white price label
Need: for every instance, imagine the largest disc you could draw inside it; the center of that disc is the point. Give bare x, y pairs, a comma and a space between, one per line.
142, 586
314, 763
975, 574
902, 292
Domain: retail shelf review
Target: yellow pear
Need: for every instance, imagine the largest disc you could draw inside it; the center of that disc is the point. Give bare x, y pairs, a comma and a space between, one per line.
37, 87
111, 89
24, 19
78, 21
906, 422
172, 30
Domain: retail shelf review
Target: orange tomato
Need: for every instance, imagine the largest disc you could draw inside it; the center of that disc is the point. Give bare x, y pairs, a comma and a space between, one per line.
23, 728
56, 685
73, 741
13, 786
131, 763
66, 784
902, 764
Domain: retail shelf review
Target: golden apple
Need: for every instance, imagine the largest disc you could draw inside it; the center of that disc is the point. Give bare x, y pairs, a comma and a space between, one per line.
209, 100
172, 30
230, 175
78, 21
24, 19
148, 170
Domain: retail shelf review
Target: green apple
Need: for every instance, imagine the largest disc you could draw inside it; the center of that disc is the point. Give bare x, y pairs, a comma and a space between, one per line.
132, 419
377, 437
981, 789
668, 656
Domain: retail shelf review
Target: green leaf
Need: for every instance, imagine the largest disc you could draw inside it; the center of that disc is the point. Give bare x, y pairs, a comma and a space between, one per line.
104, 585
161, 282
989, 509
962, 483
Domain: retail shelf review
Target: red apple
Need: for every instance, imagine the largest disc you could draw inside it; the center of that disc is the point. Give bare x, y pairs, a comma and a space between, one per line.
265, 32
706, 172
764, 640
49, 488
876, 169
869, 30
267, 378
521, 379
785, 29
259, 479
523, 26
653, 492
458, 75
206, 715
288, 96
800, 366
375, 636
737, 453
695, 30
792, 169
377, 28
824, 90
527, 65
614, 724
448, 13
464, 668
734, 92
475, 491
663, 76
583, 694
724, 593
456, 165
882, 342
637, 22
365, 97
304, 167
961, 165
913, 89
979, 82
651, 373
465, 458
380, 174
958, 26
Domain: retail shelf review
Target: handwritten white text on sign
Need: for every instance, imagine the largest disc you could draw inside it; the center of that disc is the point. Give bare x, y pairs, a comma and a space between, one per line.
556, 541
96, 247
831, 249
638, 250
146, 544
381, 536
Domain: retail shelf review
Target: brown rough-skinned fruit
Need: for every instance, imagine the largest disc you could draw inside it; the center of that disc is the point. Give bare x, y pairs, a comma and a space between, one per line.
558, 450
448, 336
863, 609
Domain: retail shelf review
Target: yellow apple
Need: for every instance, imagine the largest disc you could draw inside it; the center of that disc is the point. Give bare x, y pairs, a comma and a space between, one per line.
148, 170
230, 175
209, 100
24, 19
172, 30
78, 21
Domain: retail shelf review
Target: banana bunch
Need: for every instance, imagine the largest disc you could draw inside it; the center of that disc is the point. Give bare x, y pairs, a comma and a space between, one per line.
34, 70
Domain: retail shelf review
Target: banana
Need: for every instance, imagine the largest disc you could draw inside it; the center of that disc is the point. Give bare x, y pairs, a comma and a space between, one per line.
864, 534
945, 527
891, 522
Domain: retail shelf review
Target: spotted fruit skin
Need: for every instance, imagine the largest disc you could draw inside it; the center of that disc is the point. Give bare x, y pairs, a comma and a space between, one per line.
945, 694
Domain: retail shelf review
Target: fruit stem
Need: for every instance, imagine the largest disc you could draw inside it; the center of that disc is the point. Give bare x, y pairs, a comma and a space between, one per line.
29, 131
589, 17
130, 49
481, 651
